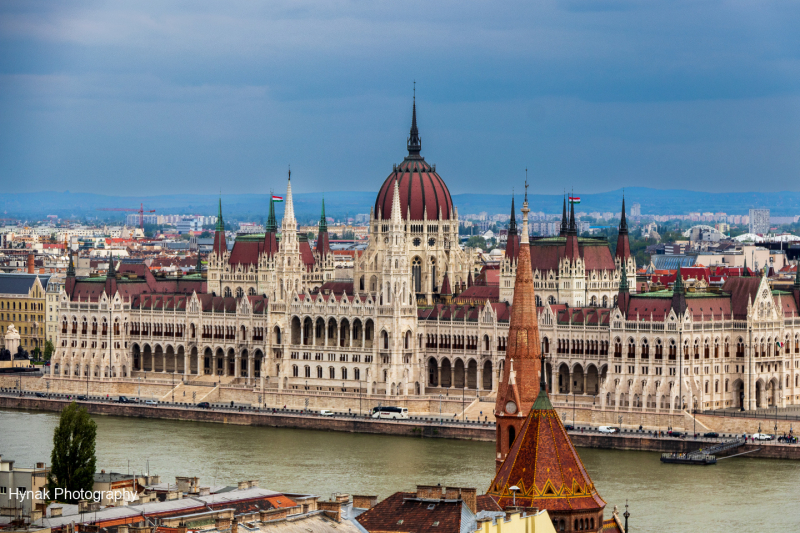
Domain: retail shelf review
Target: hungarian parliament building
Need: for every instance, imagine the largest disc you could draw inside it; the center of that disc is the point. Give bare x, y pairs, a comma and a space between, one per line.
421, 316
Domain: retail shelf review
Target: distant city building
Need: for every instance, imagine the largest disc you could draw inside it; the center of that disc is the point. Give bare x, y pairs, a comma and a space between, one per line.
759, 221
636, 210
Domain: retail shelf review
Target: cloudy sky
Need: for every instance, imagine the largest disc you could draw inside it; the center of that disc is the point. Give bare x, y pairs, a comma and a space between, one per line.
162, 97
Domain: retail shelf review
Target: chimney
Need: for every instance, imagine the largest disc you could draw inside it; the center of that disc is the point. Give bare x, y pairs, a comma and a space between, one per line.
253, 483
470, 498
222, 522
39, 465
364, 502
273, 514
332, 510
30, 263
343, 498
36, 515
55, 511
122, 529
242, 485
430, 492
451, 493
235, 525
83, 506
205, 491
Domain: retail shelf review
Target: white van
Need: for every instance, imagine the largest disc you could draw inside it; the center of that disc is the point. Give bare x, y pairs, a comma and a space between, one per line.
325, 412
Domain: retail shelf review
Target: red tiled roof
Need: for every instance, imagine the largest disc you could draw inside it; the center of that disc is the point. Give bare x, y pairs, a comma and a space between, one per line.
546, 255
307, 255
741, 289
478, 294
545, 466
421, 189
403, 512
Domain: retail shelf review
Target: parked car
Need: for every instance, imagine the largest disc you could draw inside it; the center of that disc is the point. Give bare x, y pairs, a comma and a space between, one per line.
608, 429
761, 436
325, 412
124, 399
83, 397
204, 405
569, 427
40, 395
711, 435
676, 434
151, 402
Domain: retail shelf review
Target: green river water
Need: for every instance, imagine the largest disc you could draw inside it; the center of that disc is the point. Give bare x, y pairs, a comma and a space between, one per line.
738, 494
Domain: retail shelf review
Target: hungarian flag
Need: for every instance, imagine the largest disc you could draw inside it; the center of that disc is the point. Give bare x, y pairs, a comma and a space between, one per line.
779, 343
277, 198
574, 199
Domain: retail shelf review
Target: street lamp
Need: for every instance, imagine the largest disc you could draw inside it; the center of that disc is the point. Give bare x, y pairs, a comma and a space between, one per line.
513, 490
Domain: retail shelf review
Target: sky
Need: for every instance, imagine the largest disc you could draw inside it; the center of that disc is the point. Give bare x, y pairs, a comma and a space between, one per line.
154, 97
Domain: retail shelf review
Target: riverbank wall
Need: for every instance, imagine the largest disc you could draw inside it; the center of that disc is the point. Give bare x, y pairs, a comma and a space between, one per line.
629, 442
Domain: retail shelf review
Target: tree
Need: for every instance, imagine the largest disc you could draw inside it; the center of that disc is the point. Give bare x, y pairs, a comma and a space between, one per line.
49, 349
476, 241
72, 459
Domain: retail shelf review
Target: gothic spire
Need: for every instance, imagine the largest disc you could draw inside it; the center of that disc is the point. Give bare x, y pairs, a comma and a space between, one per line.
745, 272
623, 224
573, 229
414, 141
678, 287
111, 272
71, 267
288, 212
623, 283
220, 222
272, 223
512, 225
198, 268
564, 226
323, 224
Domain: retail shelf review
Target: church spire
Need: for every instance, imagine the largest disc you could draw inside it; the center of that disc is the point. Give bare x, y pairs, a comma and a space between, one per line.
512, 225
573, 228
111, 272
414, 141
745, 272
71, 267
288, 212
272, 223
323, 223
220, 222
623, 223
564, 226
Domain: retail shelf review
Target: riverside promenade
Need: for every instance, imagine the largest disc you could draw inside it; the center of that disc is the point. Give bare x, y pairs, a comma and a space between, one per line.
419, 427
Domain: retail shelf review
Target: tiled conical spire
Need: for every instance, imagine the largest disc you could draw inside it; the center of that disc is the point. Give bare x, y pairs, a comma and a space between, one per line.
414, 140
546, 468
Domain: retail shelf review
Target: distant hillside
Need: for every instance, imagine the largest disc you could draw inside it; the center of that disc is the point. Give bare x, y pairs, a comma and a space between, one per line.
338, 204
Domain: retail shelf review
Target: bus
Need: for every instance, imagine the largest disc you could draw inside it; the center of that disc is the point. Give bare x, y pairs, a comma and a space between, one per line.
391, 413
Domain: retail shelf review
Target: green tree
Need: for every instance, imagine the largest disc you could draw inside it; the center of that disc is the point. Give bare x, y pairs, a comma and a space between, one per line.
72, 459
476, 241
48, 350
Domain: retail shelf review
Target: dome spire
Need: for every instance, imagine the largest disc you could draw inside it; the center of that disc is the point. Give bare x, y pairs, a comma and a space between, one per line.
414, 142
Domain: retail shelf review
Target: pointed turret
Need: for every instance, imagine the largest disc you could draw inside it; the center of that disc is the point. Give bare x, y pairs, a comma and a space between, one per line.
624, 293
71, 266
220, 246
111, 278
323, 244
414, 140
512, 243
198, 266
271, 231
745, 272
564, 222
288, 213
623, 244
522, 352
796, 286
679, 294
571, 249
69, 282
469, 279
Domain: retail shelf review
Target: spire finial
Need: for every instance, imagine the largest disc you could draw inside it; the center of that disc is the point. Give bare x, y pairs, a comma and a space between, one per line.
71, 267
323, 223
525, 231
573, 229
220, 222
111, 272
290, 172
512, 225
623, 223
414, 141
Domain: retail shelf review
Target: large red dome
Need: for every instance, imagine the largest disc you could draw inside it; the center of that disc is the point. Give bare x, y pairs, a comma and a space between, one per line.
421, 188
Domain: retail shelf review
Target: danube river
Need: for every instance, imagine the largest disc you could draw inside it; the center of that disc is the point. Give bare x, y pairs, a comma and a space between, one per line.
737, 494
